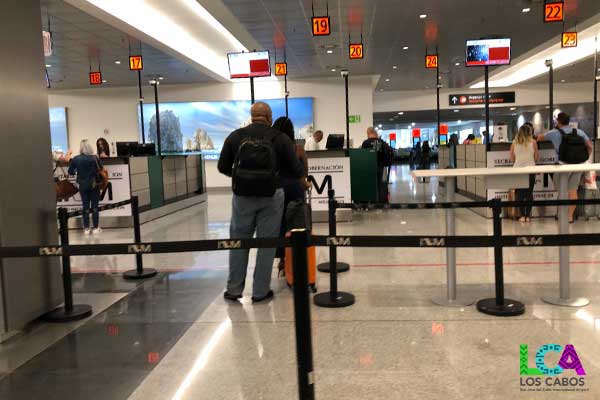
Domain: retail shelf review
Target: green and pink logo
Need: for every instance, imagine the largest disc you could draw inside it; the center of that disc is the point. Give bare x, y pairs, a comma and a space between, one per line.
568, 360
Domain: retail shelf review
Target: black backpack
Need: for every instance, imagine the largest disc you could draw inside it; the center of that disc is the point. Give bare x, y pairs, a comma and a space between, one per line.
573, 149
255, 166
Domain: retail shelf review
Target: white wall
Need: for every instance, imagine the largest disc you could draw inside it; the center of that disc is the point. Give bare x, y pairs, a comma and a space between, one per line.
92, 111
525, 95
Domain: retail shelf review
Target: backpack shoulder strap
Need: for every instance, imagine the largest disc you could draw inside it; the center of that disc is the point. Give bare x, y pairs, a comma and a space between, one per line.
574, 132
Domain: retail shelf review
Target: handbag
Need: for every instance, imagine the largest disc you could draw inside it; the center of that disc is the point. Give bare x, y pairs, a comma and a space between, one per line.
64, 188
298, 214
101, 181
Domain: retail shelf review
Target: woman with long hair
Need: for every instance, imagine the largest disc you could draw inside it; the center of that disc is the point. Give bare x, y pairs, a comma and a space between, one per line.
524, 153
293, 188
86, 166
102, 148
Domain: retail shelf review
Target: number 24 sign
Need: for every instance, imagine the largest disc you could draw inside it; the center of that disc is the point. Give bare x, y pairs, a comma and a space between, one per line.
431, 61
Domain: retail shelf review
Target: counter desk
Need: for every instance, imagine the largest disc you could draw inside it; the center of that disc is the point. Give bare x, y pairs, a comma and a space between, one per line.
163, 185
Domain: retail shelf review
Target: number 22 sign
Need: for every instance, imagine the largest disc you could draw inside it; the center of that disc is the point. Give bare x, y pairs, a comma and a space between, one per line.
356, 51
554, 11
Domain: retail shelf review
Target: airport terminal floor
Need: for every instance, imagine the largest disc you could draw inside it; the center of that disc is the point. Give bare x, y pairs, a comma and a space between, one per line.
175, 337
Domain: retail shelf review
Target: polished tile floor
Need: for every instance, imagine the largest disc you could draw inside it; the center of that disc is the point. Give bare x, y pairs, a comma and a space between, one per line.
174, 337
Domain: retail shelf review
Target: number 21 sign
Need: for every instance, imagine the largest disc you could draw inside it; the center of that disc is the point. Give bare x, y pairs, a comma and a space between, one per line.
280, 69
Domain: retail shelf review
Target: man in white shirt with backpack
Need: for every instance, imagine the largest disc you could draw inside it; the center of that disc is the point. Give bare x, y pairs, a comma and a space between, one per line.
253, 156
573, 146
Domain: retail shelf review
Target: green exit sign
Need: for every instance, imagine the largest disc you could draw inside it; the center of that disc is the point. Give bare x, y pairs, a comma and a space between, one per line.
354, 119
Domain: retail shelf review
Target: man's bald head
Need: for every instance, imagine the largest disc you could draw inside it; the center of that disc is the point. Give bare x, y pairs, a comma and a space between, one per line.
261, 113
372, 133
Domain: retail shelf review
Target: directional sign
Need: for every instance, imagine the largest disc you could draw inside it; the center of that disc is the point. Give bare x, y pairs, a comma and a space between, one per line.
281, 69
321, 26
136, 63
431, 61
569, 39
479, 98
356, 51
96, 78
554, 11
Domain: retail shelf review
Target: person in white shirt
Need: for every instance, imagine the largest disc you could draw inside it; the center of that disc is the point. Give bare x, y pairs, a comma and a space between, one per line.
313, 142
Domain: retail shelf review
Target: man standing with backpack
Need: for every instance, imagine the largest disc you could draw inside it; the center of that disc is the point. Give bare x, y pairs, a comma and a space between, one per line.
573, 146
253, 157
385, 158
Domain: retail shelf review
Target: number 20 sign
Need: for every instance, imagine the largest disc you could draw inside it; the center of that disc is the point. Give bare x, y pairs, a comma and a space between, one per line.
356, 51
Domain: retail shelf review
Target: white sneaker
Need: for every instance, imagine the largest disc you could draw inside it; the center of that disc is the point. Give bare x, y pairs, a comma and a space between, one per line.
97, 231
86, 232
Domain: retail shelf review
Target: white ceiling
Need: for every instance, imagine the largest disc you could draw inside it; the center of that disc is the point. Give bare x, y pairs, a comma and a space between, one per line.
387, 26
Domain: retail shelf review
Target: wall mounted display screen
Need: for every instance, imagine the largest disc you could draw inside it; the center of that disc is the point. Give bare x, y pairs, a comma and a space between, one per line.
249, 65
58, 129
188, 128
488, 52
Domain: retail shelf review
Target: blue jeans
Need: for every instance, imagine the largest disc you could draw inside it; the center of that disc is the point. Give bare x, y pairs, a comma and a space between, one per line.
90, 198
249, 215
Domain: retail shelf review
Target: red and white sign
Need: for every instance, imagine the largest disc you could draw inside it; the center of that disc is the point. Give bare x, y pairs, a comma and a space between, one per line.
416, 133
488, 52
249, 65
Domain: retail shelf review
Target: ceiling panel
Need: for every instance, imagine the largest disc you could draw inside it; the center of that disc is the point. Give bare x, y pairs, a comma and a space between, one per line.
80, 40
390, 25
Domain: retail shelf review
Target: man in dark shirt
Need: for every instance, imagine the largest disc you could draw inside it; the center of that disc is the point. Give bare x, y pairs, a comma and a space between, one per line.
384, 159
252, 214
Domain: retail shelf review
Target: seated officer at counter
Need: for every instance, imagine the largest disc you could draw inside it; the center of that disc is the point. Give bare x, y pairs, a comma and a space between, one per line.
385, 157
555, 136
313, 143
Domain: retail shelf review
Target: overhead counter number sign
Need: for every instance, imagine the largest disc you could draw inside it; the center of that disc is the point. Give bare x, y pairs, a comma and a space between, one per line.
280, 69
431, 61
569, 39
356, 51
136, 63
96, 78
554, 11
321, 26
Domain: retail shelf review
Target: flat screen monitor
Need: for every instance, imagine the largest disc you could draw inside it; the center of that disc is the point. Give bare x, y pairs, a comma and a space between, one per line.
249, 65
126, 149
335, 142
488, 52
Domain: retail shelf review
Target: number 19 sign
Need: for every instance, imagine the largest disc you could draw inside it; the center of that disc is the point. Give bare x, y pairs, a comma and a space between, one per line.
321, 26
356, 51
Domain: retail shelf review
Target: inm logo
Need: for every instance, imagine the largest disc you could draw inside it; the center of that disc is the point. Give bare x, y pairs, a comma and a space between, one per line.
568, 360
432, 242
338, 241
530, 241
50, 251
229, 244
139, 248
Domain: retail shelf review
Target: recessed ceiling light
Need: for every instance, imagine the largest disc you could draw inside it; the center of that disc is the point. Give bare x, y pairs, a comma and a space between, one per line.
423, 16
401, 113
161, 78
406, 48
459, 121
381, 90
395, 67
526, 10
48, 65
562, 80
380, 125
457, 64
117, 62
333, 69
329, 51
414, 123
513, 108
456, 110
103, 80
387, 80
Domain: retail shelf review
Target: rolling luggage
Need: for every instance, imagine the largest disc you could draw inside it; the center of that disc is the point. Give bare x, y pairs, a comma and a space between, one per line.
299, 215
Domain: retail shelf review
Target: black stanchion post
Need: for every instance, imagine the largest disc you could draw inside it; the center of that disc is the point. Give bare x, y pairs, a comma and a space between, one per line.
341, 266
333, 298
70, 311
139, 272
499, 306
306, 388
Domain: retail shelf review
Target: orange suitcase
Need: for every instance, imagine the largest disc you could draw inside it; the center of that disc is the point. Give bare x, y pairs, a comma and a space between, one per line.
312, 266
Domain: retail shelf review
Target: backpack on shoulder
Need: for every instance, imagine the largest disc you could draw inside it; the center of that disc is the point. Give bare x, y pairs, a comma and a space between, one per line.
573, 149
255, 166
